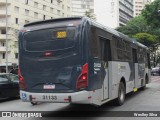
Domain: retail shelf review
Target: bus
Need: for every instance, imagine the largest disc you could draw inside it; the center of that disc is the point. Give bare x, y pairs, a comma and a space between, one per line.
79, 61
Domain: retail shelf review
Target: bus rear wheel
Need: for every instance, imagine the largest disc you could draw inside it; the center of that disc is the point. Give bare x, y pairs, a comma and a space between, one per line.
121, 94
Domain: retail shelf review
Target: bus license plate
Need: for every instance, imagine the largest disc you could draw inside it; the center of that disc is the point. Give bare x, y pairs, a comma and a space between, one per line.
49, 87
49, 97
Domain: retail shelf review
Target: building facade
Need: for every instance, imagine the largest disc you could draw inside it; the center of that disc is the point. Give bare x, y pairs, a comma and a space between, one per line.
21, 12
114, 13
79, 7
139, 6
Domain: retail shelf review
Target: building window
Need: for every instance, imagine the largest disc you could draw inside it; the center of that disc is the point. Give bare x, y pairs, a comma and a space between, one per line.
16, 44
16, 20
26, 12
58, 3
68, 8
35, 14
58, 12
35, 4
3, 44
83, 6
3, 55
92, 10
51, 10
51, 1
26, 2
44, 17
16, 9
16, 55
26, 21
44, 7
3, 31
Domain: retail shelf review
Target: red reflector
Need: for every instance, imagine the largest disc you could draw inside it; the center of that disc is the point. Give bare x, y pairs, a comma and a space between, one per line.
66, 99
33, 98
89, 97
48, 54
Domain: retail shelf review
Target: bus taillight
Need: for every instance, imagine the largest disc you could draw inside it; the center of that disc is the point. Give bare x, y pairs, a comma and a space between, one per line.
82, 81
21, 80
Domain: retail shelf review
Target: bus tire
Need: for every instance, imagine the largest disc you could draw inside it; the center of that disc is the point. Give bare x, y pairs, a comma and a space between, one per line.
34, 103
121, 94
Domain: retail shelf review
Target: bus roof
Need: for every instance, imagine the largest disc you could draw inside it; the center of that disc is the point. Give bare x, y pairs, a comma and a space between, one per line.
52, 20
118, 34
110, 30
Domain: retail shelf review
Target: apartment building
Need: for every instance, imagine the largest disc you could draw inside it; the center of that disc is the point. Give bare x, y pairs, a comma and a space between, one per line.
139, 6
113, 13
21, 12
79, 7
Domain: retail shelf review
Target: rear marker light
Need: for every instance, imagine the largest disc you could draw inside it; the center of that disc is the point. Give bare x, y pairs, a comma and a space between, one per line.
21, 80
82, 81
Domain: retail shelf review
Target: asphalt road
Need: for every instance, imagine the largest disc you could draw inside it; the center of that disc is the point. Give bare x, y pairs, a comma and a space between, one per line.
147, 100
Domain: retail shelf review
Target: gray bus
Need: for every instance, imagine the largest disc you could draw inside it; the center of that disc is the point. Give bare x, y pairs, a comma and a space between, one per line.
79, 61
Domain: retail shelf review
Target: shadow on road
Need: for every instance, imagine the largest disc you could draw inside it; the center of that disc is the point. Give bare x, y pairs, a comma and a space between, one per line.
8, 99
89, 110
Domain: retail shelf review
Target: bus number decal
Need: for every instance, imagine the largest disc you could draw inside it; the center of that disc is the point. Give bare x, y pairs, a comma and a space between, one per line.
49, 97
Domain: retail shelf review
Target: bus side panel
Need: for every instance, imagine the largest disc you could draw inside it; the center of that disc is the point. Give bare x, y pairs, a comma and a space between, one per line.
136, 75
118, 71
96, 69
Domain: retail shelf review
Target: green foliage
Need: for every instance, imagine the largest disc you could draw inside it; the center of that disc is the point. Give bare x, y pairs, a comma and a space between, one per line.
150, 41
146, 29
90, 15
146, 39
136, 25
152, 14
156, 32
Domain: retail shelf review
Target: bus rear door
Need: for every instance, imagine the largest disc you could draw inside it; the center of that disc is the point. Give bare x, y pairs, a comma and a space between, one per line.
106, 56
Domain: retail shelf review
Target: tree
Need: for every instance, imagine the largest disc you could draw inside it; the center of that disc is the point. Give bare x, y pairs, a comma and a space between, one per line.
151, 14
155, 32
151, 42
136, 25
90, 15
146, 39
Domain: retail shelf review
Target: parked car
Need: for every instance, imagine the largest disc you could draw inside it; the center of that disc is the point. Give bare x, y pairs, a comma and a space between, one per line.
9, 85
155, 71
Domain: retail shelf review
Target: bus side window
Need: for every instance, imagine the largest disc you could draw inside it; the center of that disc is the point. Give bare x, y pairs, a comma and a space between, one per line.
105, 51
94, 42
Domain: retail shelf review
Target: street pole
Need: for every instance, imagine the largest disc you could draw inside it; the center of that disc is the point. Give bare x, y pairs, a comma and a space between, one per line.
6, 37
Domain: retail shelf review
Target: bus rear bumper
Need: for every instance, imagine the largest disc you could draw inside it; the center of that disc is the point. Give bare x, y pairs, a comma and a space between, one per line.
76, 97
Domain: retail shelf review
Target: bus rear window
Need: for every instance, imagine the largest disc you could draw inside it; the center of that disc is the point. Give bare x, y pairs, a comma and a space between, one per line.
50, 39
